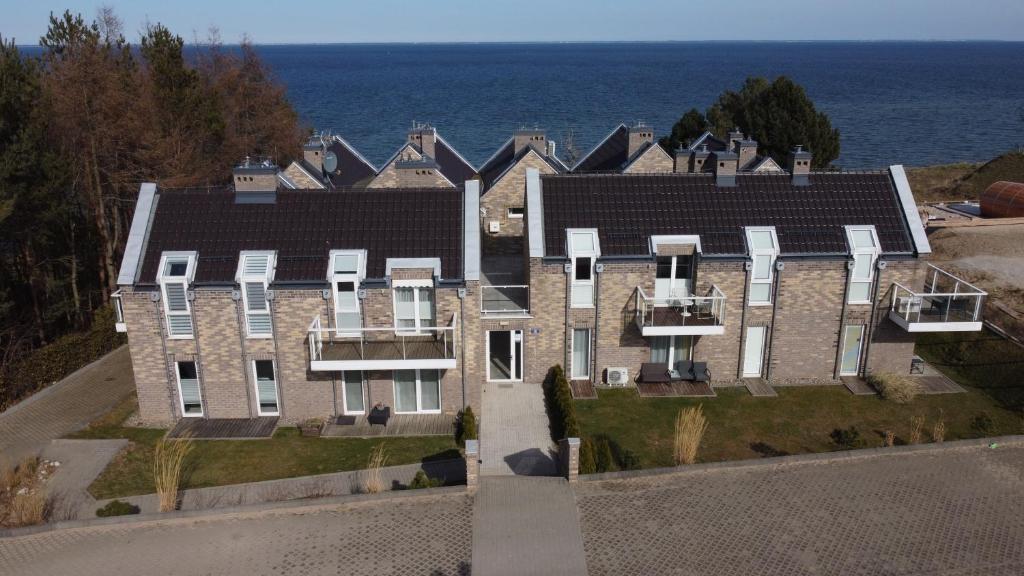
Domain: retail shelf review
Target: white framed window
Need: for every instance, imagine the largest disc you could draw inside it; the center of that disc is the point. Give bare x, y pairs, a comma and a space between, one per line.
189, 396
668, 350
515, 212
265, 373
417, 391
414, 308
580, 354
583, 250
353, 398
853, 343
254, 275
673, 276
346, 271
764, 250
864, 249
753, 352
177, 269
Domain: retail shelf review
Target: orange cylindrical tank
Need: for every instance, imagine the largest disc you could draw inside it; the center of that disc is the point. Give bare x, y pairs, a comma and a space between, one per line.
1003, 200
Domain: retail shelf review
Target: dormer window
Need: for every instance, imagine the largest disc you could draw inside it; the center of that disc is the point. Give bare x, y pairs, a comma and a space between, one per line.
764, 249
175, 277
584, 249
864, 249
347, 270
255, 273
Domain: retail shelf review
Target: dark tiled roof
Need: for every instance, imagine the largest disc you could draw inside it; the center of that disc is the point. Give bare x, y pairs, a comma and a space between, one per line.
504, 159
303, 225
627, 210
611, 154
352, 169
713, 143
452, 165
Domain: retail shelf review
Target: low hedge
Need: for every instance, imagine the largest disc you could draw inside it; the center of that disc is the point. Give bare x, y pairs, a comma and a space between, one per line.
50, 363
561, 410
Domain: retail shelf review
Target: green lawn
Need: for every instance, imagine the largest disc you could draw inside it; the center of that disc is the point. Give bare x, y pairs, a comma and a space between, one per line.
220, 462
801, 419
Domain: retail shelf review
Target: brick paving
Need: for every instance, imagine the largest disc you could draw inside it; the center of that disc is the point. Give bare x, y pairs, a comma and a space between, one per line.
66, 406
424, 535
954, 511
514, 433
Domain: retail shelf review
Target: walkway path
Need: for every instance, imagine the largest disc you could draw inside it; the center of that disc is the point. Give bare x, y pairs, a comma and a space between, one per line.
26, 428
514, 434
526, 526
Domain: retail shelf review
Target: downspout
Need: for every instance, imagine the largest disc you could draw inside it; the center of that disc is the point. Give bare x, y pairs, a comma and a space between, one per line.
199, 359
462, 335
566, 335
597, 321
170, 371
775, 308
842, 325
245, 369
743, 321
869, 332
278, 373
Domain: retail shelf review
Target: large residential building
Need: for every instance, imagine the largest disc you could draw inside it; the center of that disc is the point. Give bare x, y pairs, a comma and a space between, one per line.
406, 292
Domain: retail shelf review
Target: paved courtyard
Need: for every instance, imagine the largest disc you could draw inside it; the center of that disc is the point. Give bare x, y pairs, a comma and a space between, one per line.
949, 512
514, 434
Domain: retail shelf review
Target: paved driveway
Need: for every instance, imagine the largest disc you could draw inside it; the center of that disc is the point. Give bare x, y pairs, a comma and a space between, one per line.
958, 511
66, 406
514, 433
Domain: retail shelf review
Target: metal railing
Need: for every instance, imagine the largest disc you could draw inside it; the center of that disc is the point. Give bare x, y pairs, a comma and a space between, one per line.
361, 338
689, 310
945, 298
511, 299
115, 301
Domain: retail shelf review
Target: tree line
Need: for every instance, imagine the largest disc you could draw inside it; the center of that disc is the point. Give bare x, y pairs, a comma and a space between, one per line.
82, 124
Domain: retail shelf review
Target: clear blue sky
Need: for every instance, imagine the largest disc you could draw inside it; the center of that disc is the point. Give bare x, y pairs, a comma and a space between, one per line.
321, 21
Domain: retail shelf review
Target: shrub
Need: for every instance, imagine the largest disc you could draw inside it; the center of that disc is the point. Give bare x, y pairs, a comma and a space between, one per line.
27, 509
939, 430
890, 438
690, 428
628, 460
588, 463
466, 429
916, 426
846, 438
421, 480
372, 481
982, 424
603, 457
168, 463
561, 410
895, 388
117, 508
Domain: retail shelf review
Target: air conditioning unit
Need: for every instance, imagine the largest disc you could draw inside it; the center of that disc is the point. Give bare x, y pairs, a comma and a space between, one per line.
493, 226
617, 376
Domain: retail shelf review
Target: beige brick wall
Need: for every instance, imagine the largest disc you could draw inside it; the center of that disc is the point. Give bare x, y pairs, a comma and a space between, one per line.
300, 178
218, 336
619, 342
393, 177
654, 160
144, 321
509, 192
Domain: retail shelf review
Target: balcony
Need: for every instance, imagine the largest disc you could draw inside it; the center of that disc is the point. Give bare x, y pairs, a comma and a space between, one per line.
115, 301
381, 348
512, 300
681, 315
947, 304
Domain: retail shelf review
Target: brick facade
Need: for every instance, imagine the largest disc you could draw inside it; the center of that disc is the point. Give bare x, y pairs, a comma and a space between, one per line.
654, 160
508, 192
394, 175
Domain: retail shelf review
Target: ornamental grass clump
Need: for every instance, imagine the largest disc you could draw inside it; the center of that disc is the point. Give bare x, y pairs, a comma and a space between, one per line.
916, 427
373, 481
690, 428
895, 388
168, 464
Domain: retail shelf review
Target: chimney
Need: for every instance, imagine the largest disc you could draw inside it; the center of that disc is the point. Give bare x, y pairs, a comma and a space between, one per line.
724, 165
799, 165
699, 159
639, 135
681, 161
313, 152
533, 138
255, 181
747, 151
551, 149
424, 136
735, 137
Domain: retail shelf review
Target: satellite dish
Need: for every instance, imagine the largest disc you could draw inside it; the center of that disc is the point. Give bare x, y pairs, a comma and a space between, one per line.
330, 162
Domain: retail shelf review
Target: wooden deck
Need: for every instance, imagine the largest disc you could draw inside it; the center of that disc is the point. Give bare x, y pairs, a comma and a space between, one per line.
582, 389
398, 425
687, 389
857, 386
414, 349
224, 428
667, 316
759, 387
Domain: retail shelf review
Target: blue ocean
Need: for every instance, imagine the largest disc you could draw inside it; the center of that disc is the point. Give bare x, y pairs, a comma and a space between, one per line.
914, 103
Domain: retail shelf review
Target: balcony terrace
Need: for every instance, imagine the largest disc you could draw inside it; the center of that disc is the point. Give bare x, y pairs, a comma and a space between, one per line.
947, 304
381, 348
681, 315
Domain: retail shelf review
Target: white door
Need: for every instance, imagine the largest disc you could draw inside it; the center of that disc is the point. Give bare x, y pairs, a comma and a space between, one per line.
753, 354
580, 354
853, 339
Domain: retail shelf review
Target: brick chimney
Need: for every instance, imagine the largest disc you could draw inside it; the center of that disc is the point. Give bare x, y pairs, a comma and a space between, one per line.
747, 151
699, 159
313, 152
799, 165
639, 136
735, 137
724, 165
424, 136
533, 138
255, 181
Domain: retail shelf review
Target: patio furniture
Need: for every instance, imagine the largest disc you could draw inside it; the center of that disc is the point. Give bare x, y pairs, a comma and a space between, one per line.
658, 373
379, 415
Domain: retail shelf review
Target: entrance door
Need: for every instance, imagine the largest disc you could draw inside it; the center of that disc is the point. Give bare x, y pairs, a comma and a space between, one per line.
853, 338
753, 354
505, 355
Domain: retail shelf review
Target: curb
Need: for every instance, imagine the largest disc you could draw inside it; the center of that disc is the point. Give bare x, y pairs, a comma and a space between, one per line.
804, 459
294, 506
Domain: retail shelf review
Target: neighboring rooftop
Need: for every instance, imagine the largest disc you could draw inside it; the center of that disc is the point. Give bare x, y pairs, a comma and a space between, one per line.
628, 209
506, 157
303, 226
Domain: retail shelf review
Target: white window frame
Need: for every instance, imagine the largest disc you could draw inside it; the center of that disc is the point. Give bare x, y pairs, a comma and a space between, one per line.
576, 254
186, 281
265, 278
515, 216
674, 279
672, 349
181, 397
356, 279
256, 386
362, 392
590, 354
771, 253
416, 286
860, 348
419, 391
858, 254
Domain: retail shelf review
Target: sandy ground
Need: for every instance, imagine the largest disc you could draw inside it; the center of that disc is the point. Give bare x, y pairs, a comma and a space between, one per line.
990, 256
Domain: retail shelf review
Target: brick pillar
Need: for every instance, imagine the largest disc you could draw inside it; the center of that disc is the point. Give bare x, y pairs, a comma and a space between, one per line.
472, 465
569, 454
